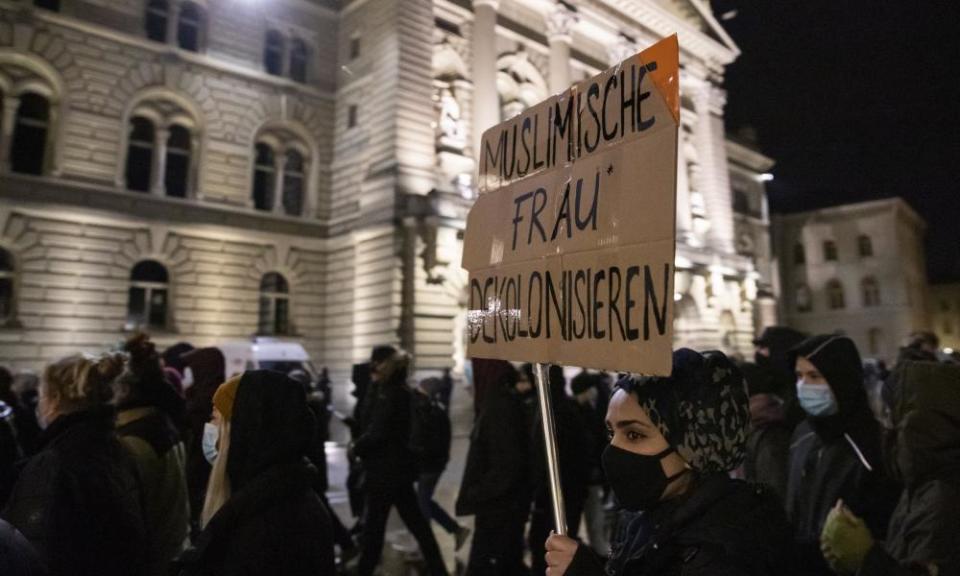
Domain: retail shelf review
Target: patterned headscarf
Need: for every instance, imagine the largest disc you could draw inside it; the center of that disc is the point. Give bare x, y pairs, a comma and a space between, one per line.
702, 409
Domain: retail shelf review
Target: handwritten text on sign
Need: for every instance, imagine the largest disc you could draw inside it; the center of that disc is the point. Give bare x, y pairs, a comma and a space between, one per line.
570, 247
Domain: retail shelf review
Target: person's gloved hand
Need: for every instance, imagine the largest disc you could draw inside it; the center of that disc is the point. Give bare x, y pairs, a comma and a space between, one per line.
845, 540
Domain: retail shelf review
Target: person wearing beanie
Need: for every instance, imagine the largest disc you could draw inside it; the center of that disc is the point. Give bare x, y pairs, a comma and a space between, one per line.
674, 442
260, 514
835, 452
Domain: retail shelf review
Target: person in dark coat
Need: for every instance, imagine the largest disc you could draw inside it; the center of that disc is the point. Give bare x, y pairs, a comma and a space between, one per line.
388, 464
495, 487
835, 453
775, 368
77, 500
17, 556
768, 444
173, 356
922, 538
674, 441
584, 386
360, 376
261, 514
207, 366
10, 452
22, 416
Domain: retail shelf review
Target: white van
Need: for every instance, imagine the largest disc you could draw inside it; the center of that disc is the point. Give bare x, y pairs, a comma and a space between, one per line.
266, 354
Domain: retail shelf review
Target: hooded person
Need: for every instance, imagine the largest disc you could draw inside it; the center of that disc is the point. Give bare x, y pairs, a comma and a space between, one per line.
774, 373
922, 538
767, 460
145, 427
383, 450
260, 514
835, 452
206, 368
674, 441
78, 500
173, 357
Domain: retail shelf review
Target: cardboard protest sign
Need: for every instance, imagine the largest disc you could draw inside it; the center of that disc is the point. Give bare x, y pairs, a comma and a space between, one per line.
570, 246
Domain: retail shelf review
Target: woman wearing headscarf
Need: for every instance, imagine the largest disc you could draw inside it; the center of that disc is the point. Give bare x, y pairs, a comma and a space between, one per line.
673, 442
835, 452
206, 366
260, 514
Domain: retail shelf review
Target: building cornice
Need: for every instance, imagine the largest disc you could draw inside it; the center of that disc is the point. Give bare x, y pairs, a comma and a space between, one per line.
894, 204
749, 157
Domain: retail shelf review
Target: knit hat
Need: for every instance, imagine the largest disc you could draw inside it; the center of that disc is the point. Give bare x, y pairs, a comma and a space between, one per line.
225, 395
701, 408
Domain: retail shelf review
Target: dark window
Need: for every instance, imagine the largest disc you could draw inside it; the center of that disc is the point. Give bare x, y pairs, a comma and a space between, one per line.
293, 174
799, 254
188, 27
352, 116
830, 251
741, 202
298, 60
865, 246
29, 147
6, 285
147, 303
178, 162
835, 295
802, 299
871, 292
140, 154
263, 177
354, 47
273, 53
274, 305
158, 13
48, 4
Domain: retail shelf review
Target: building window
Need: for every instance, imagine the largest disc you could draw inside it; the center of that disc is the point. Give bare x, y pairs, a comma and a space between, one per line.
293, 183
273, 53
802, 299
835, 295
178, 162
865, 246
354, 47
28, 151
830, 251
274, 305
874, 340
799, 254
263, 177
158, 13
148, 296
741, 203
140, 154
188, 27
53, 5
871, 292
6, 286
352, 116
298, 60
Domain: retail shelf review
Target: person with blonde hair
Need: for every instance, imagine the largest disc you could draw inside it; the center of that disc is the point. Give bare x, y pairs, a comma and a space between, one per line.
260, 514
77, 500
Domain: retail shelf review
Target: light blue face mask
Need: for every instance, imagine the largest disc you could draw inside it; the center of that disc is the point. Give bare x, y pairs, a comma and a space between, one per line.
211, 434
816, 399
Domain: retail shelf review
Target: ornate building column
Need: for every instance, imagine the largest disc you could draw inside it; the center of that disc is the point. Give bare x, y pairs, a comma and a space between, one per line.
159, 186
710, 142
560, 24
486, 102
279, 172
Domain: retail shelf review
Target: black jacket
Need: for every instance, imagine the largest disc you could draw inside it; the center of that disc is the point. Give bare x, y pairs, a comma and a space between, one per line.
723, 527
383, 446
431, 434
77, 501
17, 556
273, 523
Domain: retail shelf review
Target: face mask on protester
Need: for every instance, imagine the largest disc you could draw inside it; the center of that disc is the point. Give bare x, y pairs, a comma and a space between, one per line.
638, 480
816, 399
211, 434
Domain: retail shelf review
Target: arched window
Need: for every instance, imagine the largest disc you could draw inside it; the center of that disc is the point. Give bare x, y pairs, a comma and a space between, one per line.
865, 246
298, 60
264, 174
157, 17
140, 154
147, 304
53, 5
829, 251
6, 286
293, 184
871, 292
274, 305
799, 254
28, 151
835, 295
273, 53
802, 299
178, 162
188, 27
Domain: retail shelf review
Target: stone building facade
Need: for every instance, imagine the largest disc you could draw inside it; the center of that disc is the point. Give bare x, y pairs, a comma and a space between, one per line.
212, 170
945, 314
857, 268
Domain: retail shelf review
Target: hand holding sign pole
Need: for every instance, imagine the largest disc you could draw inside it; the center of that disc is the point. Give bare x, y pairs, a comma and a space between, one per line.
570, 245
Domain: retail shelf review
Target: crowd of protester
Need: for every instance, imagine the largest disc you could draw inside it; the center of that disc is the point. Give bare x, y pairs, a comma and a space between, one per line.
806, 460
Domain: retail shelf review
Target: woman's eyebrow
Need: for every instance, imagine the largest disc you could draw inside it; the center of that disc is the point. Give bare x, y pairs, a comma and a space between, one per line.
625, 423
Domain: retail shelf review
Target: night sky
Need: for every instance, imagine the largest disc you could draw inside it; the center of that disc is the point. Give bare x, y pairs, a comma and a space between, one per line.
855, 100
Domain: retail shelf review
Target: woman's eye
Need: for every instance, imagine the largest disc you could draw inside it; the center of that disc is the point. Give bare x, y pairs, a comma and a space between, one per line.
633, 436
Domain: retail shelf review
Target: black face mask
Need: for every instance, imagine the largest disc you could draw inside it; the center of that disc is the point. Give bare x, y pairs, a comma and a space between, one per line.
638, 480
